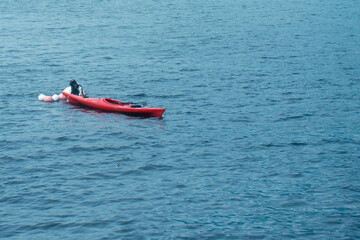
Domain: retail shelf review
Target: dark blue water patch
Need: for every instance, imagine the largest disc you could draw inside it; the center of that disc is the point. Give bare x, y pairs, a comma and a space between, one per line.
138, 95
296, 117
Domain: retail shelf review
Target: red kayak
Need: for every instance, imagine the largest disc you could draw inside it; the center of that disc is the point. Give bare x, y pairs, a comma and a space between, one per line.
111, 105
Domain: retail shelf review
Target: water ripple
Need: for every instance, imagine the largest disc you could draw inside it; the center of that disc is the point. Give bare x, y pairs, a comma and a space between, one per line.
261, 129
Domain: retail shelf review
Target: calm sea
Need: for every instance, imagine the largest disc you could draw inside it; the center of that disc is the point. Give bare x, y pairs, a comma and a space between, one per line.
260, 140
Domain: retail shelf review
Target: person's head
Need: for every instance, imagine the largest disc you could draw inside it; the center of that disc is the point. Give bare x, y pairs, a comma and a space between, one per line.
74, 87
74, 84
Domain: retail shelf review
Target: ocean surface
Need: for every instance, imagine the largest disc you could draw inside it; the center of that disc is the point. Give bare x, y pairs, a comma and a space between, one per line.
260, 139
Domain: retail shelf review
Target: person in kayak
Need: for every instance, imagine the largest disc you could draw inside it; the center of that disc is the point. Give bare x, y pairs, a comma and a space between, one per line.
75, 89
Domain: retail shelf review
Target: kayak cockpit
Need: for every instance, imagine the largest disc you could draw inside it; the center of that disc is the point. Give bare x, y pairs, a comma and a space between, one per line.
109, 100
130, 104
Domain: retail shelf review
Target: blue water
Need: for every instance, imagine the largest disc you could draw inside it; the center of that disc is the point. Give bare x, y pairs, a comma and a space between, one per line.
260, 140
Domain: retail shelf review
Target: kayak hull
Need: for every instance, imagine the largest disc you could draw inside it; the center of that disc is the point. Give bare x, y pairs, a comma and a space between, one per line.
111, 105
